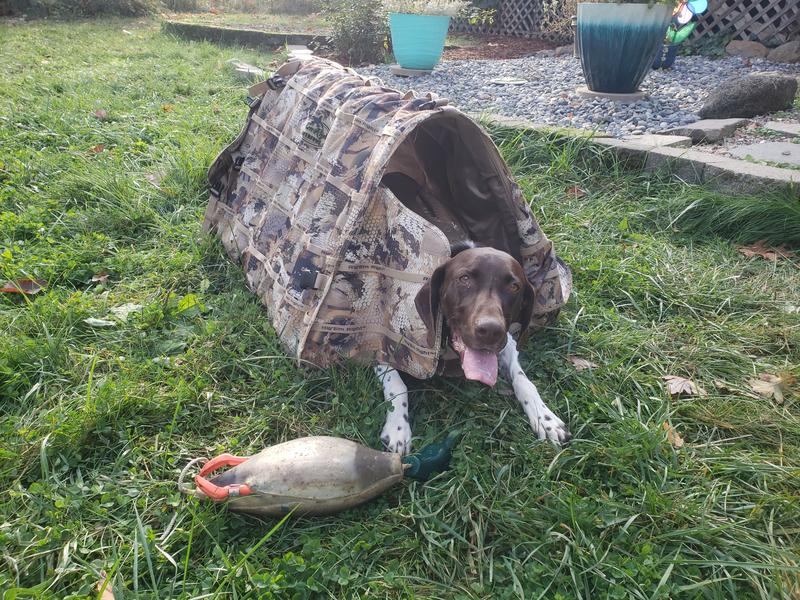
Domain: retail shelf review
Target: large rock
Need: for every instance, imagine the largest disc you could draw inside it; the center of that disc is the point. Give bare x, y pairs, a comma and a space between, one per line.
786, 53
748, 49
749, 96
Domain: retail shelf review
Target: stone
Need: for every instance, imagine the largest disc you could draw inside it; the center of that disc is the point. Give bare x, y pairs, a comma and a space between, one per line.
785, 53
652, 140
299, 51
789, 129
564, 50
708, 130
786, 153
747, 49
750, 95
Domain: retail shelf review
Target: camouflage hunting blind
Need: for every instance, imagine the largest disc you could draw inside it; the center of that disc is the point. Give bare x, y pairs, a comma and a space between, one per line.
341, 197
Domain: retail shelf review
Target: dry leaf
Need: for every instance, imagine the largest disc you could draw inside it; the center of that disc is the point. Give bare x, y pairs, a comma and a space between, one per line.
213, 10
576, 191
722, 386
100, 114
167, 107
673, 437
101, 277
772, 386
759, 249
581, 364
29, 287
98, 149
106, 593
215, 109
679, 386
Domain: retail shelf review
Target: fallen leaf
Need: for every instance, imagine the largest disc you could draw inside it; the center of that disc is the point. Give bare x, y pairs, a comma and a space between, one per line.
122, 312
215, 109
759, 249
673, 437
100, 114
167, 107
99, 148
92, 322
772, 386
581, 364
722, 386
679, 386
106, 593
101, 277
576, 191
213, 10
29, 287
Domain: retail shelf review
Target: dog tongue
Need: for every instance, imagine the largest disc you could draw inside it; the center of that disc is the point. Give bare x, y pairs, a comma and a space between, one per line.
480, 366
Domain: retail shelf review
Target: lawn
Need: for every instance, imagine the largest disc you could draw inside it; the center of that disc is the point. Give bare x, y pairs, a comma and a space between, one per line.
106, 130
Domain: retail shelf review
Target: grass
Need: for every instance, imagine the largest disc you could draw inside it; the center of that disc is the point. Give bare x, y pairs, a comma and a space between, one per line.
98, 421
311, 23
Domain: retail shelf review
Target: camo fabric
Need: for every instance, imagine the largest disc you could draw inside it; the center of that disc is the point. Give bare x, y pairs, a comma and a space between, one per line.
335, 257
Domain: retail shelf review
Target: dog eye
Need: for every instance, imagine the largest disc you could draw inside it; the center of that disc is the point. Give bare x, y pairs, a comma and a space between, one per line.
514, 287
464, 279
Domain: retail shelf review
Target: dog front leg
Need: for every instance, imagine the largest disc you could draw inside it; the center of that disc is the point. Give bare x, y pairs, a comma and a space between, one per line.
545, 424
396, 433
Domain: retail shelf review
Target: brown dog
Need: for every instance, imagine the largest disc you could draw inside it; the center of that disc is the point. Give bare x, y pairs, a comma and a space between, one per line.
481, 293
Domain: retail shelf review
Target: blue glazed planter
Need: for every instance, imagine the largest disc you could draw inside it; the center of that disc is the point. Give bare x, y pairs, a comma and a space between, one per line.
418, 40
619, 42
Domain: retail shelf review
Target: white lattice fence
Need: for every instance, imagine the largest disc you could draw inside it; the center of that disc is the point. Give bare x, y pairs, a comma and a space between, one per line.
770, 22
519, 18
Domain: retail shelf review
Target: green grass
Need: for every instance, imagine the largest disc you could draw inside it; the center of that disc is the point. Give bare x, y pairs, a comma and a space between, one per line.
315, 23
98, 422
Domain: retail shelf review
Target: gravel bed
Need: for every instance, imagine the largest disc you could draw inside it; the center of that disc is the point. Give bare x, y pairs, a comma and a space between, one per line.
549, 97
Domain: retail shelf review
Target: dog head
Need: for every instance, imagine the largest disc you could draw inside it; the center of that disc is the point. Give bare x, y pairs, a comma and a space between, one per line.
480, 293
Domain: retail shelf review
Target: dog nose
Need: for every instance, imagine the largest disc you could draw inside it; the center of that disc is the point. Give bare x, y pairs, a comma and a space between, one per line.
489, 332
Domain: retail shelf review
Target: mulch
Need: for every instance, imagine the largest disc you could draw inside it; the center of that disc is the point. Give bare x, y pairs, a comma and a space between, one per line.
495, 47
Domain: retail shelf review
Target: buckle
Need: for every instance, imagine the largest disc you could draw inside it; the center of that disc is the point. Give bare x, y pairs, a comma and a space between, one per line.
275, 82
237, 164
216, 189
252, 102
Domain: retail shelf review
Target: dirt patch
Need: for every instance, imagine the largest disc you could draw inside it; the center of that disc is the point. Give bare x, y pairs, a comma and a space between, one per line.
493, 47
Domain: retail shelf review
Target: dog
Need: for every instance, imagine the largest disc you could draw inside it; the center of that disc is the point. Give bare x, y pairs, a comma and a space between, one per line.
480, 291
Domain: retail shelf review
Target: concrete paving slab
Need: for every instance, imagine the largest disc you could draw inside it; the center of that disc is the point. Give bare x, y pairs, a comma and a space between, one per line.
708, 130
790, 129
654, 140
776, 152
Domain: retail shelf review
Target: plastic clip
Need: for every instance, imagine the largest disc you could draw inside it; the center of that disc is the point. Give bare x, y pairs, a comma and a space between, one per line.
216, 492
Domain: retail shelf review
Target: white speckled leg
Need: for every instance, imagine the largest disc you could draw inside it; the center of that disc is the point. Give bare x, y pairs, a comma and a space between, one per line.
545, 424
396, 433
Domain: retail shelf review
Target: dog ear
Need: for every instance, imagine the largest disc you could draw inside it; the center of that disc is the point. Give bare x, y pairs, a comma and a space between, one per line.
428, 299
525, 313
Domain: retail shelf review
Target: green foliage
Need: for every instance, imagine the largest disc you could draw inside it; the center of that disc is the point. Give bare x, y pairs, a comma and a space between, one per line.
81, 8
358, 30
97, 422
184, 5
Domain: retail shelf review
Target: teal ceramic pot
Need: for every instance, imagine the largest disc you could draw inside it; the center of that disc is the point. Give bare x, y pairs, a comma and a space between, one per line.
619, 42
418, 40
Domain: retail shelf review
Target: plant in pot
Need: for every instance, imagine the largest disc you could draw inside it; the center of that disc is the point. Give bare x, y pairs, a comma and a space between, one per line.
618, 42
419, 29
681, 26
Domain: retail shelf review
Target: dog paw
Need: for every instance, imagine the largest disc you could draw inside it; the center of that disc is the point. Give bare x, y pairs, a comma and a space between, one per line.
547, 426
396, 437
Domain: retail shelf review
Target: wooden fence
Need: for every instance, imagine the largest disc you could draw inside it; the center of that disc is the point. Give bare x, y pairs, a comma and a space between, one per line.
770, 22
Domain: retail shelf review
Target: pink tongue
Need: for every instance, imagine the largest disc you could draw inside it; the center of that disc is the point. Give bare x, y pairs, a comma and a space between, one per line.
480, 366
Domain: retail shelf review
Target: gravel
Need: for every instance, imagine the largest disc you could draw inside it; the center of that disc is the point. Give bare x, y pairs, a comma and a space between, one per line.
549, 96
